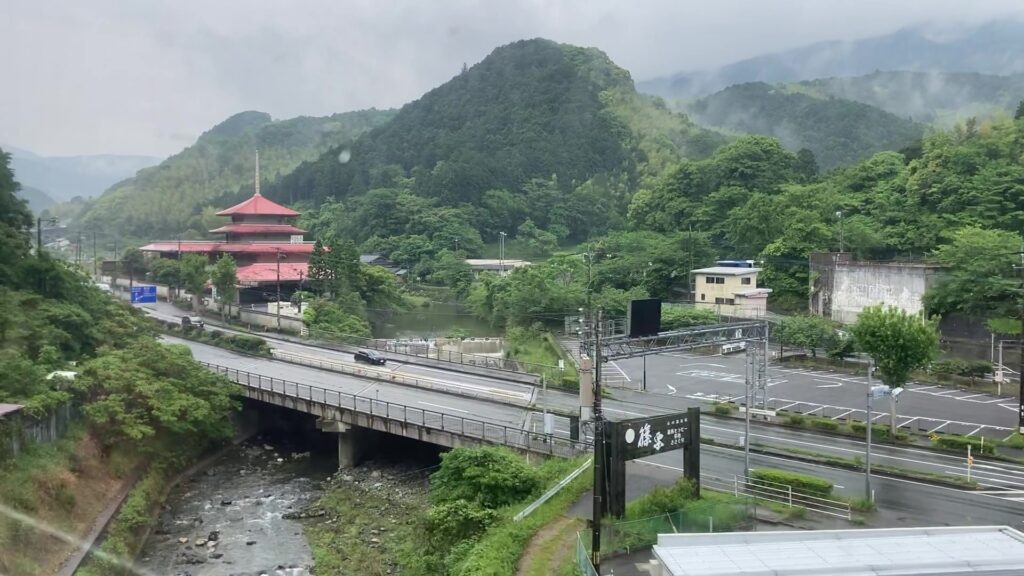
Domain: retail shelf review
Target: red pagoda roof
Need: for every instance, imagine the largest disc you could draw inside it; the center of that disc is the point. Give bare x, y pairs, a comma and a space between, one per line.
260, 206
258, 229
239, 247
267, 272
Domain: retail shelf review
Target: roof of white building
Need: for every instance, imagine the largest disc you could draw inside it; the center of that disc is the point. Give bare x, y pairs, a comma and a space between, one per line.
726, 270
970, 550
495, 263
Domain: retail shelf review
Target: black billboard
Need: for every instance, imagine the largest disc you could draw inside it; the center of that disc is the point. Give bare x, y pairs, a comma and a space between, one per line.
643, 317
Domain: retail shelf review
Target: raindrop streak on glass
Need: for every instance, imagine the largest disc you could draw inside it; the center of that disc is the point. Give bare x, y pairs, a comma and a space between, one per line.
344, 156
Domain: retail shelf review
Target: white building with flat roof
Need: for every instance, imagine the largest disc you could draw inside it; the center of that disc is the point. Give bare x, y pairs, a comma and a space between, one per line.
944, 551
730, 290
496, 265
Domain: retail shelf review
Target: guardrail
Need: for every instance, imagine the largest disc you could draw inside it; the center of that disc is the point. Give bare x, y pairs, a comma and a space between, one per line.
551, 492
467, 427
462, 389
775, 492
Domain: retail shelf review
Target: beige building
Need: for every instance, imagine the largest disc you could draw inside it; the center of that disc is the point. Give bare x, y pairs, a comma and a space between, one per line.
730, 290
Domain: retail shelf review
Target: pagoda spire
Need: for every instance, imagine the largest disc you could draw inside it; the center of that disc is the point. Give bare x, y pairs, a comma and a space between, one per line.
257, 172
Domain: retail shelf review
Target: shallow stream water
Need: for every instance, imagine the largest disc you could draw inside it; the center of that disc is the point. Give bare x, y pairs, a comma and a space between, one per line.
234, 515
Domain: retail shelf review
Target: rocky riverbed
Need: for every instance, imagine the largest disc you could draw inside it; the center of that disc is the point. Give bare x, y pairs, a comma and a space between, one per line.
240, 517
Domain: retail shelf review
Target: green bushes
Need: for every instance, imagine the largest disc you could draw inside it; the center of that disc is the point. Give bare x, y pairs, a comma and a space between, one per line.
245, 343
960, 444
802, 483
796, 420
491, 477
723, 409
879, 432
823, 424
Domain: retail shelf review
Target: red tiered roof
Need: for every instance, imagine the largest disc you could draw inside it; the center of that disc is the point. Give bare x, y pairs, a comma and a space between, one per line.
258, 206
267, 272
258, 229
249, 248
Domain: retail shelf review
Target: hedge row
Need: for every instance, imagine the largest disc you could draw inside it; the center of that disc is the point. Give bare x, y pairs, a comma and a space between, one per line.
960, 444
802, 483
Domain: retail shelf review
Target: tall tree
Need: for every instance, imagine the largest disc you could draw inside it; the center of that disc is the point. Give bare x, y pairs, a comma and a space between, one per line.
899, 343
194, 276
1020, 111
224, 277
15, 220
320, 275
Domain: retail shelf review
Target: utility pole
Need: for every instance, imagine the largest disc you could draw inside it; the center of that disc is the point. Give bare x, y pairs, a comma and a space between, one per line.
95, 256
867, 425
1020, 350
278, 289
839, 214
749, 373
599, 472
501, 256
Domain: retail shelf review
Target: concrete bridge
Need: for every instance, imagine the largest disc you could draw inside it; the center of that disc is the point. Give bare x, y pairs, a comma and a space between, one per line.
352, 415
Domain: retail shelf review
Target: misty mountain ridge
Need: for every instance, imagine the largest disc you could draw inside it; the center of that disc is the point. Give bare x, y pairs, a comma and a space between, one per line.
63, 177
839, 132
169, 199
992, 48
939, 98
530, 109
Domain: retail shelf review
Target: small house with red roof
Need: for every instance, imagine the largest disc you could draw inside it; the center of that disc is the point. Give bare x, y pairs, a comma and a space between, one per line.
264, 241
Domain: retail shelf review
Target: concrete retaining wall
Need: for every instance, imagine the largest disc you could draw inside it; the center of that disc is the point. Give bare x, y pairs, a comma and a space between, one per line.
843, 287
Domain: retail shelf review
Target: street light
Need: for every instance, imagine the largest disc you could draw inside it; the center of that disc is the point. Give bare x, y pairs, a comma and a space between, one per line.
874, 393
839, 215
501, 253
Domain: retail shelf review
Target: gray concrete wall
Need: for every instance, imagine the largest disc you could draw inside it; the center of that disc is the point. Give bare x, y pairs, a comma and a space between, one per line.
264, 320
846, 287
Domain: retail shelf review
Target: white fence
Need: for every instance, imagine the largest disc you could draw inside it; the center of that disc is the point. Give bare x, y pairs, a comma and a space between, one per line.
775, 492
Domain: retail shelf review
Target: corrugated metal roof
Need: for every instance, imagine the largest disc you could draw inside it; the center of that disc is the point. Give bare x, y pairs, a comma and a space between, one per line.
971, 550
6, 409
726, 270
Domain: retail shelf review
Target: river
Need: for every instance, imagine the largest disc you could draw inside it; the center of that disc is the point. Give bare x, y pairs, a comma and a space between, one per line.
234, 514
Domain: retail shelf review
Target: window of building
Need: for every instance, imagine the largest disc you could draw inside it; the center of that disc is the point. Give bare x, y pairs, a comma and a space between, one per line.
709, 279
745, 281
719, 280
727, 301
702, 297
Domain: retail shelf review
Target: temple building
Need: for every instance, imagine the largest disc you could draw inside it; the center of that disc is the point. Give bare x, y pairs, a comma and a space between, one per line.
262, 238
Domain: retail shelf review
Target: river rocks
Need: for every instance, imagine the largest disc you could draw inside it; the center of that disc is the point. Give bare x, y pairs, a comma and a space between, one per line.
183, 540
375, 474
201, 542
268, 447
214, 536
225, 502
216, 555
297, 455
250, 542
189, 557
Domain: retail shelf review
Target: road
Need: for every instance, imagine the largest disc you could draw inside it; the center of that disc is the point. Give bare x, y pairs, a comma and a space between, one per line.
836, 395
471, 384
909, 502
900, 502
432, 400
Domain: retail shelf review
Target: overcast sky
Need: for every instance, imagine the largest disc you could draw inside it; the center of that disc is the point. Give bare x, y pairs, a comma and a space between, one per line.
147, 77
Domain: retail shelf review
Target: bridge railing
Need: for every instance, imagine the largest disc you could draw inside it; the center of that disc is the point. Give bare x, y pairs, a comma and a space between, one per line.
430, 419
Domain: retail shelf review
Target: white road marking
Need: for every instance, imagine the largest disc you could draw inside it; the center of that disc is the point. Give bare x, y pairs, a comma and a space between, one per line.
921, 388
443, 407
841, 415
1012, 407
939, 427
978, 429
971, 396
835, 385
621, 371
624, 412
671, 389
702, 364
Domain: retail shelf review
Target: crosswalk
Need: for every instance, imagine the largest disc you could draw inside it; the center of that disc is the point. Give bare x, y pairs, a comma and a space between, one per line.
1003, 494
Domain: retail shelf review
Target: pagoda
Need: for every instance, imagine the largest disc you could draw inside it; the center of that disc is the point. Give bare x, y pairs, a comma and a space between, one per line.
262, 238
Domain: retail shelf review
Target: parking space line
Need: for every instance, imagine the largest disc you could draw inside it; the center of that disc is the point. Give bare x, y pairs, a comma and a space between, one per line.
841, 415
971, 396
909, 421
621, 371
939, 427
978, 429
921, 388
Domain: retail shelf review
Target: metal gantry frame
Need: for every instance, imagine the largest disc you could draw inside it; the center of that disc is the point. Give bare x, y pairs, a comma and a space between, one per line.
622, 346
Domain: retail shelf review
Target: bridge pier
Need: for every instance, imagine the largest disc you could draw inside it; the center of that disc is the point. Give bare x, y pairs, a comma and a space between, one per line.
352, 441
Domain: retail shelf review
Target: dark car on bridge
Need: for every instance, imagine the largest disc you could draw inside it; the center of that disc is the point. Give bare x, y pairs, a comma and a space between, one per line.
370, 357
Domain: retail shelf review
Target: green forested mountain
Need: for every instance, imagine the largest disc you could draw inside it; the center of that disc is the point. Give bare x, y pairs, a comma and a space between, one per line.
941, 98
545, 136
169, 199
839, 132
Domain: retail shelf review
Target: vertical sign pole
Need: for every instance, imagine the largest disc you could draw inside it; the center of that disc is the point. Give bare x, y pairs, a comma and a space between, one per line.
867, 426
691, 452
599, 463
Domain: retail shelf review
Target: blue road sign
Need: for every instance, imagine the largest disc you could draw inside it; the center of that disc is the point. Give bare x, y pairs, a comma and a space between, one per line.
143, 294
